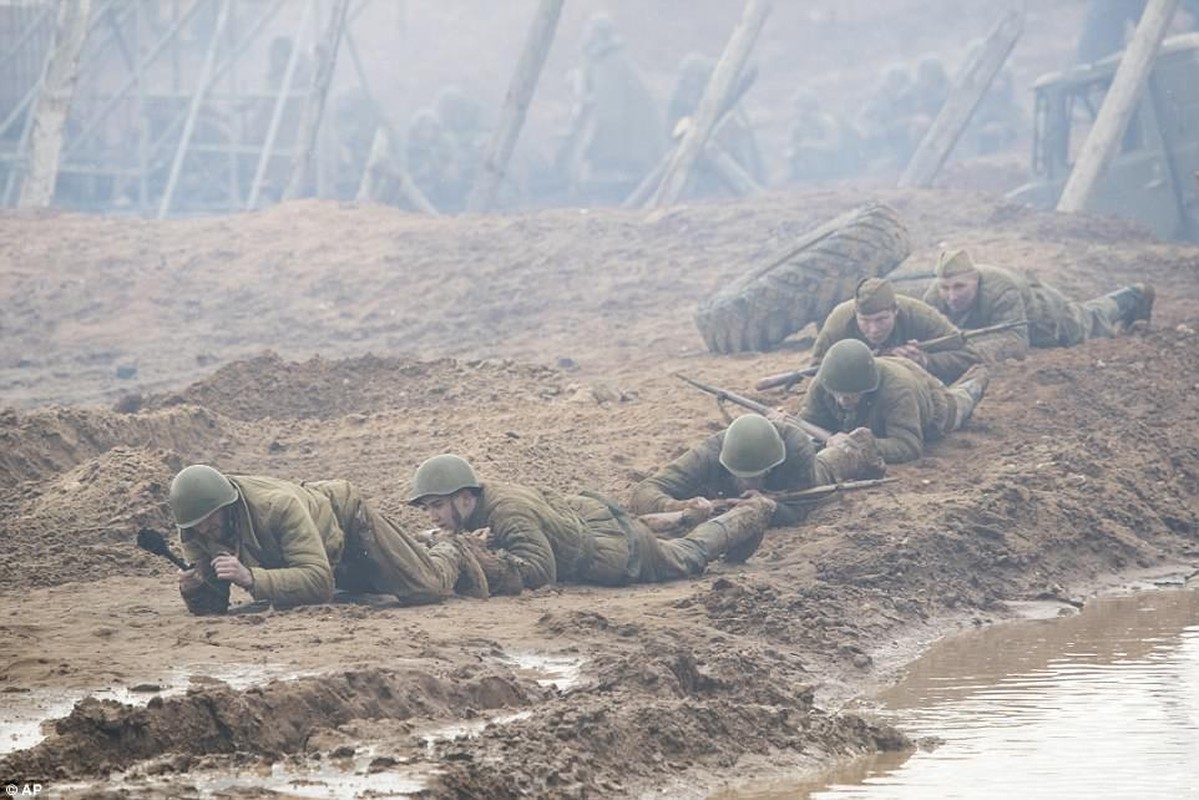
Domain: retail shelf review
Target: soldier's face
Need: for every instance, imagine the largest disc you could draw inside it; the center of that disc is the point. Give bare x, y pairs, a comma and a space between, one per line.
450, 511
958, 292
877, 327
212, 526
848, 400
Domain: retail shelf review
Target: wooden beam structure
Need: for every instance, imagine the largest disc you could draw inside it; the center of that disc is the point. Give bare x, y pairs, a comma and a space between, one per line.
516, 104
964, 97
54, 102
1118, 106
721, 85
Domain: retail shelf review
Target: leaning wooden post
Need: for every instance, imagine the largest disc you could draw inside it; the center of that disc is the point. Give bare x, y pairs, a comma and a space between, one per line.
720, 85
1118, 107
963, 98
314, 104
53, 103
193, 110
516, 104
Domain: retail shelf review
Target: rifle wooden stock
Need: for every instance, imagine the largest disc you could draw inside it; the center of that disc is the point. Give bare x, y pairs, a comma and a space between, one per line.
785, 379
815, 431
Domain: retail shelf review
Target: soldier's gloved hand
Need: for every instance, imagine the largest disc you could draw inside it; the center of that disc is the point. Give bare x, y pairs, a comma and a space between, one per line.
483, 535
836, 439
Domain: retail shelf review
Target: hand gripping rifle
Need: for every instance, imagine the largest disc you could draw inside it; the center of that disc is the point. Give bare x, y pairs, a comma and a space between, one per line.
666, 521
950, 341
815, 431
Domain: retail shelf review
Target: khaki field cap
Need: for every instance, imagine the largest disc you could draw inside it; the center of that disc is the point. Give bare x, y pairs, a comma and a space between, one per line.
874, 295
752, 446
440, 476
955, 262
848, 368
196, 492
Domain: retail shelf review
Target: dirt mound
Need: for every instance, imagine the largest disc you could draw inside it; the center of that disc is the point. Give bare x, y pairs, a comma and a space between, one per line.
82, 525
100, 736
41, 444
270, 387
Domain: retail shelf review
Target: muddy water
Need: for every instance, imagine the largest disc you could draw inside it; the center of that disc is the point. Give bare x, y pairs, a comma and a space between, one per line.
1102, 704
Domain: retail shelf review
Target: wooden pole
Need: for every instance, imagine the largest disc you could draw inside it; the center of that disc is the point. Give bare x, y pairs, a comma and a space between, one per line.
963, 98
272, 130
722, 83
193, 111
516, 104
314, 104
53, 103
1127, 87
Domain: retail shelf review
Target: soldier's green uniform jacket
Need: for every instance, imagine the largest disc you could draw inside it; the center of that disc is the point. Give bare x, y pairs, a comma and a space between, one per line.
541, 537
1054, 320
908, 407
287, 534
915, 320
699, 473
294, 537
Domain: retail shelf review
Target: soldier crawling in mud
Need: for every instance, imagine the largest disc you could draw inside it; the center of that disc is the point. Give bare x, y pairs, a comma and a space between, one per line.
755, 455
524, 537
292, 543
901, 404
892, 325
977, 296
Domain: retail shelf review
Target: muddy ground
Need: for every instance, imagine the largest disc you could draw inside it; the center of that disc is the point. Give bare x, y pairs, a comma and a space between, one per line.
541, 348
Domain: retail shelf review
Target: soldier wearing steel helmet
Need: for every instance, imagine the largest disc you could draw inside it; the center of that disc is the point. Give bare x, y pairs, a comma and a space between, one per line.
753, 455
891, 325
901, 404
526, 537
293, 543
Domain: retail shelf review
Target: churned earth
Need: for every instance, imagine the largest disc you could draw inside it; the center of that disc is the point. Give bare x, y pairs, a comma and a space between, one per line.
315, 340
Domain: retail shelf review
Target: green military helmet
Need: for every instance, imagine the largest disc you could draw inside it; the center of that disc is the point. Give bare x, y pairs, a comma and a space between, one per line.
196, 492
441, 476
848, 368
752, 445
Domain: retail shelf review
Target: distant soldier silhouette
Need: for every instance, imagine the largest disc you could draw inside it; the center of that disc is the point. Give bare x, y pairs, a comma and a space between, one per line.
616, 131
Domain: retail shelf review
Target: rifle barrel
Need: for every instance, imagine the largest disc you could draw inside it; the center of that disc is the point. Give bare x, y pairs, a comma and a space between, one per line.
815, 431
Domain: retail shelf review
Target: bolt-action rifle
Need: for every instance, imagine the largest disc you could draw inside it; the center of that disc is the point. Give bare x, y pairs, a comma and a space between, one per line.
663, 521
815, 431
950, 341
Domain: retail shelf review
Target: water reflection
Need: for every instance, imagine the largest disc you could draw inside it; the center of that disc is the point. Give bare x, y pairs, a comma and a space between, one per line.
1103, 704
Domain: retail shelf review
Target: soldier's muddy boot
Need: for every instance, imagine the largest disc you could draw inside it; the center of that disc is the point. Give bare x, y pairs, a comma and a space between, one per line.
853, 458
968, 391
735, 534
1133, 303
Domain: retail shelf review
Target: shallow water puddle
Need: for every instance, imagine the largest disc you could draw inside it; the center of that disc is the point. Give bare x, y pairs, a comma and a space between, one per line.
1102, 704
25, 713
561, 672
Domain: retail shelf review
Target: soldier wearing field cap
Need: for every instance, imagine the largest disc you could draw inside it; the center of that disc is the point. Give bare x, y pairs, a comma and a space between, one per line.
893, 325
901, 404
977, 296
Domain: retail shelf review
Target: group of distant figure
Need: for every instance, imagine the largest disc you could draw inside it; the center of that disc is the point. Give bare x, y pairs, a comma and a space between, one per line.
618, 135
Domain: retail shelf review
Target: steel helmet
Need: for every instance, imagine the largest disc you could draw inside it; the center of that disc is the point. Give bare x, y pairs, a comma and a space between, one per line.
196, 492
848, 368
440, 476
751, 446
